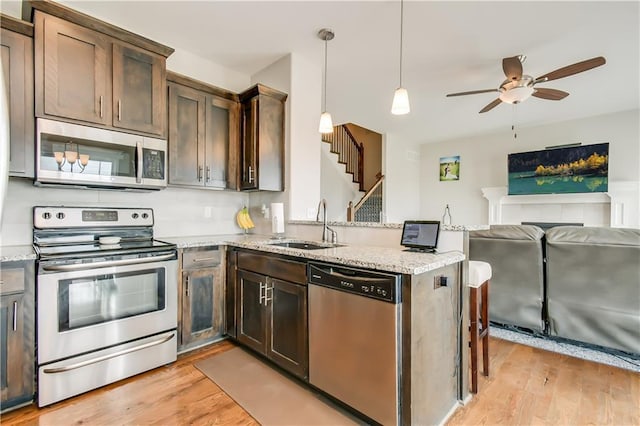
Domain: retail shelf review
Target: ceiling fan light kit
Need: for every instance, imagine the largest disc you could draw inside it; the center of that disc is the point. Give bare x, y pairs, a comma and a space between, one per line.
326, 123
518, 87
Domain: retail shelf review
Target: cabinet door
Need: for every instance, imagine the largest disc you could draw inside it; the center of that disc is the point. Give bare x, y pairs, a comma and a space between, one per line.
222, 123
186, 135
202, 305
249, 145
231, 293
287, 342
251, 324
138, 89
11, 348
76, 81
17, 67
270, 145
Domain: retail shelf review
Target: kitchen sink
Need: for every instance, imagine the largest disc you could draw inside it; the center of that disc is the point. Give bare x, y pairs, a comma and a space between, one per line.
304, 245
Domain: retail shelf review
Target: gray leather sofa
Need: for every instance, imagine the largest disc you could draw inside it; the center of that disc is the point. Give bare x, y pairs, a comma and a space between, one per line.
593, 286
576, 283
516, 292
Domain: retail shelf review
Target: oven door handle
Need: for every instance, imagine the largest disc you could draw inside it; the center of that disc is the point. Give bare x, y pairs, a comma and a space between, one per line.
107, 263
106, 357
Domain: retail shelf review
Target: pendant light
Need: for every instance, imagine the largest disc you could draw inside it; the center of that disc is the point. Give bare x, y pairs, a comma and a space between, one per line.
400, 104
326, 124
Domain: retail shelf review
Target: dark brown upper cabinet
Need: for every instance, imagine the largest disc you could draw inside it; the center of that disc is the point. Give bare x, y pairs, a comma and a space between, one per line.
16, 45
92, 72
203, 134
262, 140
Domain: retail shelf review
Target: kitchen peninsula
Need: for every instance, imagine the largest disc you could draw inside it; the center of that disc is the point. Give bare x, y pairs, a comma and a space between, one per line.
430, 367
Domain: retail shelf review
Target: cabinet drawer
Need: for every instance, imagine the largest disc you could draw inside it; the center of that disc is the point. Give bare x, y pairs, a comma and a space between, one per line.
203, 258
11, 280
275, 267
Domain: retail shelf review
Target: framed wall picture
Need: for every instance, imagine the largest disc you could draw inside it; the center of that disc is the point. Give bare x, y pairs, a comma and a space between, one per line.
583, 168
450, 168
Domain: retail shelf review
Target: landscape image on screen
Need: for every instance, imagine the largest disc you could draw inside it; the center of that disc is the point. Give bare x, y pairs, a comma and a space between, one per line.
559, 171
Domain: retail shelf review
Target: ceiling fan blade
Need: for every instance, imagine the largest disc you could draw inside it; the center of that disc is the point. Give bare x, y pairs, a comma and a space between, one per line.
490, 106
550, 94
512, 68
472, 92
572, 69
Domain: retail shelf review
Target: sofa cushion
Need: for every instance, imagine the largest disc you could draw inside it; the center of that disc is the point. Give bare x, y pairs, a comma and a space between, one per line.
510, 232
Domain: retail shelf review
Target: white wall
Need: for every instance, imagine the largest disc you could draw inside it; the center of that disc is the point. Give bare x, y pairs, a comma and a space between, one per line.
188, 64
483, 160
402, 186
336, 186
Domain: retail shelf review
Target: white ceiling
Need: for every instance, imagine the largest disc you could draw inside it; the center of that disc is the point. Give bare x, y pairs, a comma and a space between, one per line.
449, 46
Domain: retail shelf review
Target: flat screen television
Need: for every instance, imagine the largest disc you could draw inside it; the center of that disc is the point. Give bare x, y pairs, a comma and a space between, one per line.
583, 168
420, 235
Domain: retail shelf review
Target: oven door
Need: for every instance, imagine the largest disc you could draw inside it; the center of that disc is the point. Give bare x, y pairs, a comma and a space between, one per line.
84, 307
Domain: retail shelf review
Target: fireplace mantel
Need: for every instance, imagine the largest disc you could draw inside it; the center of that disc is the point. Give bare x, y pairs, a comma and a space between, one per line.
618, 207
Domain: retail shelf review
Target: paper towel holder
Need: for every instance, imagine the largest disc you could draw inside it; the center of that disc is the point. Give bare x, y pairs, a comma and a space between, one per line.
277, 220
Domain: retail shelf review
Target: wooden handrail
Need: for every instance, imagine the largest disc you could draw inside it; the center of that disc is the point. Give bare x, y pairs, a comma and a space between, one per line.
350, 152
351, 210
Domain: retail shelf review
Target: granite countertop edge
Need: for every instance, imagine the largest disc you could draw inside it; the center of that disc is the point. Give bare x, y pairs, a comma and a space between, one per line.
17, 253
443, 227
369, 257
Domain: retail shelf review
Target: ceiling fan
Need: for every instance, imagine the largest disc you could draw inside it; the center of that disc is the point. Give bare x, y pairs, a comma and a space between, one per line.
519, 87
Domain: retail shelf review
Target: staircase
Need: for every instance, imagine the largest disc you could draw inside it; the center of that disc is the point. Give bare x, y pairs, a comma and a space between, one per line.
369, 207
350, 152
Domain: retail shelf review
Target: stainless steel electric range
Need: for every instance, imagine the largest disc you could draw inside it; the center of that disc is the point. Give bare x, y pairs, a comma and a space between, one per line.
106, 298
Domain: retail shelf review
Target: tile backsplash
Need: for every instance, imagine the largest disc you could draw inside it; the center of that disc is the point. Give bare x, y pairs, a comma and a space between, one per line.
177, 212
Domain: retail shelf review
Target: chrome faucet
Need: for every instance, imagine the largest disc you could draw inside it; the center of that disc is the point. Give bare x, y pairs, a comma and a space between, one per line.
325, 228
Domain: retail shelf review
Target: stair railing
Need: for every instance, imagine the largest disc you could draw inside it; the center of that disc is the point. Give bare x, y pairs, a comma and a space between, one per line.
352, 210
350, 152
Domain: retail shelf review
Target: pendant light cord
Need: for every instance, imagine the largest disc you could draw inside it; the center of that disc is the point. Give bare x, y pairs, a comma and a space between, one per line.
401, 31
325, 75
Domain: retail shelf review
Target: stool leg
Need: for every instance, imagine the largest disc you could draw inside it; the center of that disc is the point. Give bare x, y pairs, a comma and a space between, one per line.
485, 325
474, 339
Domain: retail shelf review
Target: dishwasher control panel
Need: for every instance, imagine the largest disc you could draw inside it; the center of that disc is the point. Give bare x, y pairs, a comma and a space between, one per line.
377, 285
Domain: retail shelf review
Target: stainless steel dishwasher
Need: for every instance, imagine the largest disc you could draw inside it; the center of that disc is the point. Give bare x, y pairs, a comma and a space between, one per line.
354, 338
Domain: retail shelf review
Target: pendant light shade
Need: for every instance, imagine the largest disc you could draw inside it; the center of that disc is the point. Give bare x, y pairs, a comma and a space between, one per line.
400, 105
326, 124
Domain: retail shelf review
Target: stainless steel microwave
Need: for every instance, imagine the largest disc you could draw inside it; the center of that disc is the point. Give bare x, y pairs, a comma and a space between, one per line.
73, 154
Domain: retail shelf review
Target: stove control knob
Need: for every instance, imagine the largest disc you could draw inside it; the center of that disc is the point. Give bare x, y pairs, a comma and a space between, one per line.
134, 215
46, 215
145, 215
60, 215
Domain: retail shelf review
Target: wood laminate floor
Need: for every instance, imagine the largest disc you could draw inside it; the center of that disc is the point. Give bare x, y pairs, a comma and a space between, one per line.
526, 386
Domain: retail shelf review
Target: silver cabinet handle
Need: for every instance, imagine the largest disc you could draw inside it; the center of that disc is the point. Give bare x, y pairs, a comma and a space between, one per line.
199, 173
106, 357
204, 259
15, 315
262, 287
268, 298
187, 286
107, 263
119, 110
101, 99
208, 173
250, 174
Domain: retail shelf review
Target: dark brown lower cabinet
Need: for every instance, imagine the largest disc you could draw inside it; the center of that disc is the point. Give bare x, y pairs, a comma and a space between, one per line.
202, 294
17, 336
272, 320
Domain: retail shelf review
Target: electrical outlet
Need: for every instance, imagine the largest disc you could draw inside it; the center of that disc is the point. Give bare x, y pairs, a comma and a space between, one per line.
440, 281
207, 212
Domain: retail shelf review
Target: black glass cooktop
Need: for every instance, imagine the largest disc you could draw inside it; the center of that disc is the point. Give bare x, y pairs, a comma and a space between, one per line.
94, 248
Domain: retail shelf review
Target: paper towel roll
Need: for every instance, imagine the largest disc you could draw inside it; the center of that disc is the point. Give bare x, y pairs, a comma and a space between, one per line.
277, 218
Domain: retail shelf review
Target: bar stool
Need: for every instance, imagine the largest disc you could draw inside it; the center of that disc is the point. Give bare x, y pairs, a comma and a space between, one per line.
479, 276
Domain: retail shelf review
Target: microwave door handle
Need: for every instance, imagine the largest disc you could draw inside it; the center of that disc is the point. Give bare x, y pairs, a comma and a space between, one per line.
139, 161
106, 263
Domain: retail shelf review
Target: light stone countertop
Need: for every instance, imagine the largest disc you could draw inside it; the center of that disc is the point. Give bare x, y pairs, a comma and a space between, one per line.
370, 257
443, 227
16, 253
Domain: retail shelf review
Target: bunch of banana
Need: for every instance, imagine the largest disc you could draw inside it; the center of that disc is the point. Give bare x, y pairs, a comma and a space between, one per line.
243, 219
